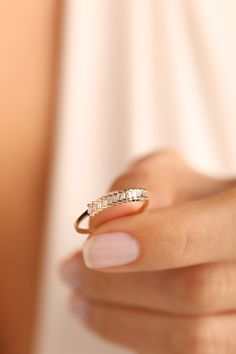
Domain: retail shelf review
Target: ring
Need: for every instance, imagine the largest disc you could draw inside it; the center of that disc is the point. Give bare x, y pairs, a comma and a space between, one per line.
112, 199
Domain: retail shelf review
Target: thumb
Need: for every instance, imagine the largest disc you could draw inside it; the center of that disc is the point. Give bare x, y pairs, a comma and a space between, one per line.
187, 234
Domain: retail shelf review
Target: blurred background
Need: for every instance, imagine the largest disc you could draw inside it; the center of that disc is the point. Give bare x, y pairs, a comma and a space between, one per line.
85, 87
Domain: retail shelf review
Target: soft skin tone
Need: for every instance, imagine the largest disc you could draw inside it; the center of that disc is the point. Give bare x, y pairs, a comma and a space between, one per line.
28, 32
164, 280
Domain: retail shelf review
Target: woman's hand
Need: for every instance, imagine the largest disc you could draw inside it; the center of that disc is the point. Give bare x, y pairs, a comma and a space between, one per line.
165, 279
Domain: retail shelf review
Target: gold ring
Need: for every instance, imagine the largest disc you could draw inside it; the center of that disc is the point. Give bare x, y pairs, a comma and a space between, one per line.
112, 199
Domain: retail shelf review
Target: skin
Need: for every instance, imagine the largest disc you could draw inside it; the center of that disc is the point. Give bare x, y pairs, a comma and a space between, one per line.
179, 295
27, 70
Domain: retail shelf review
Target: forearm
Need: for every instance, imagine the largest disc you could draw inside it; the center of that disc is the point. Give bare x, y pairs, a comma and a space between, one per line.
27, 42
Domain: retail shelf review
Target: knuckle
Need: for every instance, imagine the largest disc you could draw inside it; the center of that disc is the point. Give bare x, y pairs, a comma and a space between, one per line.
226, 281
179, 235
197, 287
204, 336
205, 286
185, 233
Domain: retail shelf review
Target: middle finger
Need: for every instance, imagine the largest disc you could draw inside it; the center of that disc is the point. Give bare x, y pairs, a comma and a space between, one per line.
201, 289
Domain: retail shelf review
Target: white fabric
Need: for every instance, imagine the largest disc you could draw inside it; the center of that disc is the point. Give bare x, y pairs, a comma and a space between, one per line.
137, 75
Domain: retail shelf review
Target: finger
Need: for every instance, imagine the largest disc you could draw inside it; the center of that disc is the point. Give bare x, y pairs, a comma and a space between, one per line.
169, 180
153, 333
188, 234
131, 179
197, 290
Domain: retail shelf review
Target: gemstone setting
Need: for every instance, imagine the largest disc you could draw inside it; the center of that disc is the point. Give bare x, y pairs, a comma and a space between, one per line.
116, 198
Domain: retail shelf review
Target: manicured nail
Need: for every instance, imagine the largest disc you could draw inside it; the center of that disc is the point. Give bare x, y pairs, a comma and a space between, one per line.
81, 307
109, 250
70, 272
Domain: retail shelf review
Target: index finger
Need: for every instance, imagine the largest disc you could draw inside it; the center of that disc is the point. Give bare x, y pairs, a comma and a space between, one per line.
188, 234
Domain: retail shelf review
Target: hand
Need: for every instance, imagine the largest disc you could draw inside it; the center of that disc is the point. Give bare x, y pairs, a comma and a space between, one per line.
162, 281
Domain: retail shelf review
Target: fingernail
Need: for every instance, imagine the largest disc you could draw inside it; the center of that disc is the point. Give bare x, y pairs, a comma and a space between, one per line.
70, 272
109, 250
81, 307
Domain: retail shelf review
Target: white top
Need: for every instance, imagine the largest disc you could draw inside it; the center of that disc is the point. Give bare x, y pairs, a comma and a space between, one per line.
137, 75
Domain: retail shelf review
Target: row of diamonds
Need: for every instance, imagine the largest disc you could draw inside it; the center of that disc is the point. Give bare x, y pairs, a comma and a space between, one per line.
115, 198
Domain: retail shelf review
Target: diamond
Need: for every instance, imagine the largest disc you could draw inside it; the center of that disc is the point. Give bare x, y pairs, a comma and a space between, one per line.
99, 204
123, 196
144, 193
119, 197
130, 194
134, 194
139, 193
89, 208
109, 200
104, 203
114, 198
94, 206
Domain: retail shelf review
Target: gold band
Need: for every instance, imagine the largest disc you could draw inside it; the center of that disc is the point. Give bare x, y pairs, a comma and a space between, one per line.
112, 199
